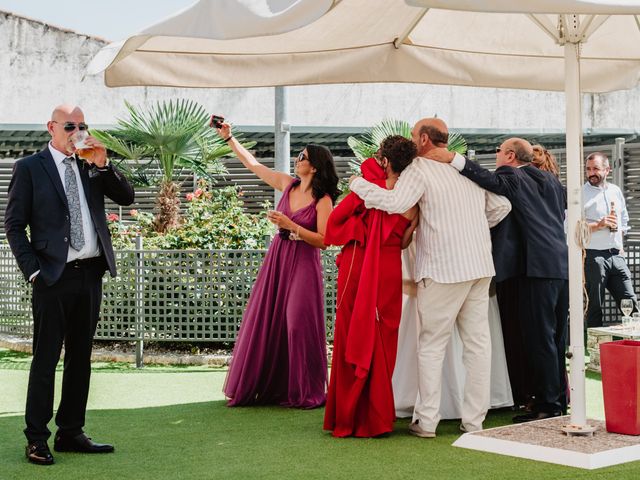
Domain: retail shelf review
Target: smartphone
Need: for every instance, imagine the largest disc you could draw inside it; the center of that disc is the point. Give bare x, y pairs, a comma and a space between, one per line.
216, 121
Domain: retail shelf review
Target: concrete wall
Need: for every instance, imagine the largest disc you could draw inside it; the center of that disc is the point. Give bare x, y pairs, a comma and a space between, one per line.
42, 66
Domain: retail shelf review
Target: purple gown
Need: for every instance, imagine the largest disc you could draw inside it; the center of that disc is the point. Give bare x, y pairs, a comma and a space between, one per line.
280, 353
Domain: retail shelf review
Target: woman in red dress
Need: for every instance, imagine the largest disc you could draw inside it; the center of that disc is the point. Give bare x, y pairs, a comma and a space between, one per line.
369, 301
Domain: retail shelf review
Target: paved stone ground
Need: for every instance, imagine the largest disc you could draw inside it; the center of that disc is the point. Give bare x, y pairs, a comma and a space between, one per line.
548, 433
126, 353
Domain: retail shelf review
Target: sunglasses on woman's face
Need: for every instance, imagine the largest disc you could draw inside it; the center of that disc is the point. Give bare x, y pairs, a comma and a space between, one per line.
301, 157
70, 126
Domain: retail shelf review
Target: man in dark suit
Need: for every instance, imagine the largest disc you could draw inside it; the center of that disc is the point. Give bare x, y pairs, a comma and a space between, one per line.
538, 202
59, 200
508, 258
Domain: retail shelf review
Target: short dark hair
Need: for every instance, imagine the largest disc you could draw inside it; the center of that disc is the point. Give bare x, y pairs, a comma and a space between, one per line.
602, 156
399, 151
436, 136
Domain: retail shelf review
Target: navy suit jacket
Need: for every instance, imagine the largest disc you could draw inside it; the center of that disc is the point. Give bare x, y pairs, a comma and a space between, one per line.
538, 202
37, 200
508, 249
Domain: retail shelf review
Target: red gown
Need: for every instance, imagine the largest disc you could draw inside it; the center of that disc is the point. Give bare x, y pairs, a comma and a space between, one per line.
360, 396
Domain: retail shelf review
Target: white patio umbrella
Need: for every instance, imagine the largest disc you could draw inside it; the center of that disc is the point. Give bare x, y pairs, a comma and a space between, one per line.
572, 45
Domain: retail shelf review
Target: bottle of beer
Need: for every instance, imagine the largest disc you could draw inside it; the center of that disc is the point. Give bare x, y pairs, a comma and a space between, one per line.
613, 214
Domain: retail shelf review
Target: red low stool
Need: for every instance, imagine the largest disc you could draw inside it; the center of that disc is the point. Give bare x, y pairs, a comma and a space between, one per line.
620, 364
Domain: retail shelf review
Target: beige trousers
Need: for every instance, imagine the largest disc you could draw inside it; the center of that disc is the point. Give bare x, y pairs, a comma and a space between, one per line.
440, 305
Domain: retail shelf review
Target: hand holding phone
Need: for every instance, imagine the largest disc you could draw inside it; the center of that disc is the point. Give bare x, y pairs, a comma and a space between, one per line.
216, 121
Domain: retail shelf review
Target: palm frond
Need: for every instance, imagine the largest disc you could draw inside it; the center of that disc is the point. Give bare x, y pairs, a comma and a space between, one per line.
361, 148
390, 127
121, 147
369, 143
457, 143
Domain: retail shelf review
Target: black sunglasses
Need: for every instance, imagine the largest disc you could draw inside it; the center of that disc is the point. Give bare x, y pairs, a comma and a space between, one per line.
70, 126
301, 157
498, 150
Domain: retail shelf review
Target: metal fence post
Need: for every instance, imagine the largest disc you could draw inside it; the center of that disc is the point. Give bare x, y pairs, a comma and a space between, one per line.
618, 165
282, 136
139, 308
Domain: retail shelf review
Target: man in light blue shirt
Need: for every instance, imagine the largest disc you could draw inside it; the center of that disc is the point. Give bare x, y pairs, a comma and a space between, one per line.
606, 212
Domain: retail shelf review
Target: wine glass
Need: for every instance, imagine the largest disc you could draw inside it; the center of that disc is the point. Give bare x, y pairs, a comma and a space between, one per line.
626, 305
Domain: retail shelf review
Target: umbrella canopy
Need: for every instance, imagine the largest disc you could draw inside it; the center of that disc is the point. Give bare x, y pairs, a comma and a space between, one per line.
389, 41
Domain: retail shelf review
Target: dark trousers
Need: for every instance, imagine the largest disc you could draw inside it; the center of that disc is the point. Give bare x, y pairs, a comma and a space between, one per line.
508, 297
604, 269
68, 312
544, 307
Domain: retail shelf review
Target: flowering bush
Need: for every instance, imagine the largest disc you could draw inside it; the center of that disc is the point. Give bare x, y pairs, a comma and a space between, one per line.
214, 219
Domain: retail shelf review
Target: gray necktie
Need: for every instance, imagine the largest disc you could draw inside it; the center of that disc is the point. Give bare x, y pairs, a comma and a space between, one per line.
73, 199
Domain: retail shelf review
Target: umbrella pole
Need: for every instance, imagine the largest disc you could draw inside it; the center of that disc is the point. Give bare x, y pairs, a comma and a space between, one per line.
281, 138
574, 215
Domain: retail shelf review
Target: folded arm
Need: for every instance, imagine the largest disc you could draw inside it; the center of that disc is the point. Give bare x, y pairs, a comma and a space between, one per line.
405, 194
496, 208
505, 183
116, 186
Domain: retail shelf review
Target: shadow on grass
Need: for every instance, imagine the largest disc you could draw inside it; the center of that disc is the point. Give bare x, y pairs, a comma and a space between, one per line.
12, 355
593, 375
210, 441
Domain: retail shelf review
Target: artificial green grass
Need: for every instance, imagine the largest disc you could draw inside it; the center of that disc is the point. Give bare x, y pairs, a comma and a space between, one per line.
186, 432
211, 441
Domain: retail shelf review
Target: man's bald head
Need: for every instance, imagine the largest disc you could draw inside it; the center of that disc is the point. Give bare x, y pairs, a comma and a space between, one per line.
522, 149
430, 133
514, 152
60, 138
65, 110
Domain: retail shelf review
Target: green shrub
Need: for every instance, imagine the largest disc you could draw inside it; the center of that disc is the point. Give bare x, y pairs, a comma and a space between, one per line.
214, 219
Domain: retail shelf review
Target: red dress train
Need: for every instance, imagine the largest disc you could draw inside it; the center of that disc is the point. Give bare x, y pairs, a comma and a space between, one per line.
360, 396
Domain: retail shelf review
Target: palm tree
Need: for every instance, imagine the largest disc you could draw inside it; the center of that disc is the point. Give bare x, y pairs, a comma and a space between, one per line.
170, 136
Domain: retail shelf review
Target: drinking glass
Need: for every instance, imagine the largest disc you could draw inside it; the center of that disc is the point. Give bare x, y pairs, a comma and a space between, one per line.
82, 149
626, 305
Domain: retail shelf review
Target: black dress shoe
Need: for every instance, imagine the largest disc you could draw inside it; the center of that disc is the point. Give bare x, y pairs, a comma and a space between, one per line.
80, 443
530, 417
38, 452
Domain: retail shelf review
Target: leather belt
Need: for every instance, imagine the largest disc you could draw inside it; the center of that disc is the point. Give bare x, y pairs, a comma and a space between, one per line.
612, 251
85, 262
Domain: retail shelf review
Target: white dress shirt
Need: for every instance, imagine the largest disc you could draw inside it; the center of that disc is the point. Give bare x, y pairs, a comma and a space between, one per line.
453, 243
596, 202
91, 247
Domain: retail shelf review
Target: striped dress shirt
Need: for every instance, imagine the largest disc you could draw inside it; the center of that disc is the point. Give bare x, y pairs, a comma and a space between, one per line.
453, 243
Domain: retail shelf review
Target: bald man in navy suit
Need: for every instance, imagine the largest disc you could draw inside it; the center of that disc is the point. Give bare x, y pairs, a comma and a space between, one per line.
56, 226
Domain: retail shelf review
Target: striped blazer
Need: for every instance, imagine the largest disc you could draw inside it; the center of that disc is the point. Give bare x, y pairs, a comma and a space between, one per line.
453, 243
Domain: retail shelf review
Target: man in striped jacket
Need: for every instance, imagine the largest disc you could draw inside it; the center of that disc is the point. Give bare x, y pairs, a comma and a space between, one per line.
453, 270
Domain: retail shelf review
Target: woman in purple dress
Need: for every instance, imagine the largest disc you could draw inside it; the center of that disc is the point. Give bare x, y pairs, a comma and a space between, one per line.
280, 353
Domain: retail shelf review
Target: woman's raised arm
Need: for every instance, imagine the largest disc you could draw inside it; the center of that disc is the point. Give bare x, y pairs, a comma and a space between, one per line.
277, 180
